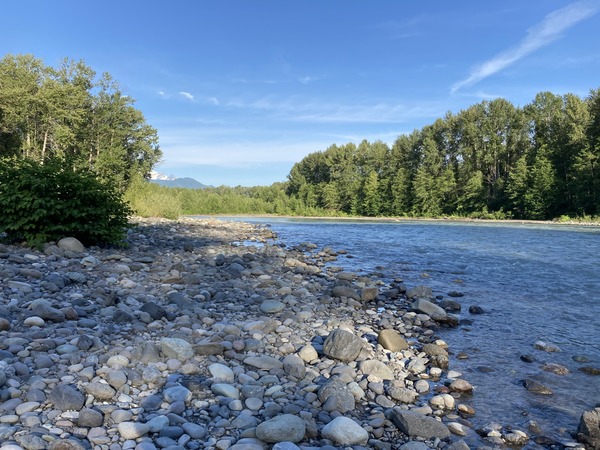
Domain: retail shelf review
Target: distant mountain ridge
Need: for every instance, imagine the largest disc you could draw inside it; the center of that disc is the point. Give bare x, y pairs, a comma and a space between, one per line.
171, 181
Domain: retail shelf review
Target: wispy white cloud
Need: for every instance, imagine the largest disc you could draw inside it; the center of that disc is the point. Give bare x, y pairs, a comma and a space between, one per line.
309, 79
301, 109
187, 141
210, 100
411, 27
540, 35
187, 95
237, 153
369, 113
480, 95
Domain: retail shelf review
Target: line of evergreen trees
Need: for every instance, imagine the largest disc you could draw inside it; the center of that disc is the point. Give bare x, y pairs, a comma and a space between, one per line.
66, 113
493, 159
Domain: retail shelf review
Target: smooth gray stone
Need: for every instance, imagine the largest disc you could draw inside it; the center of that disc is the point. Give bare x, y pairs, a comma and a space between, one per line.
90, 418
177, 394
263, 362
281, 428
343, 345
66, 397
226, 390
272, 306
420, 425
345, 431
70, 244
194, 430
338, 397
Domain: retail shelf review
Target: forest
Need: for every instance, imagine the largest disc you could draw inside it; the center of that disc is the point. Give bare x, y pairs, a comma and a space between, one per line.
71, 114
491, 160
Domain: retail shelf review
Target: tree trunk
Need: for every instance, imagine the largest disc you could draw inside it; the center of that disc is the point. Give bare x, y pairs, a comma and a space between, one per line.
44, 147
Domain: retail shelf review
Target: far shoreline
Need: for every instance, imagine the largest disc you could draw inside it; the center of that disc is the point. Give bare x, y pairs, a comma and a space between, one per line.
400, 219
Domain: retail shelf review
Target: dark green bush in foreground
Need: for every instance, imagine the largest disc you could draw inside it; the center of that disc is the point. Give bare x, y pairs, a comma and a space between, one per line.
41, 203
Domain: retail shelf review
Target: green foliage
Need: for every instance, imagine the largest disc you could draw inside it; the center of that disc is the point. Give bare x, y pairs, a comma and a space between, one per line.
150, 200
65, 112
539, 197
370, 201
585, 219
517, 188
45, 202
491, 160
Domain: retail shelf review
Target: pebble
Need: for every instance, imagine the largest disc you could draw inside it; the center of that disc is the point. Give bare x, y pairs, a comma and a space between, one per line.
272, 306
457, 428
225, 390
461, 385
264, 362
536, 387
132, 430
546, 346
221, 372
34, 321
442, 401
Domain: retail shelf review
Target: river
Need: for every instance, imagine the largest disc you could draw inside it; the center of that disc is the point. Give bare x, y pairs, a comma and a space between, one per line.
534, 283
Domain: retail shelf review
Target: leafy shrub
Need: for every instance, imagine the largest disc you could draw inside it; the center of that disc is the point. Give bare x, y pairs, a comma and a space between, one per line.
45, 202
151, 200
493, 215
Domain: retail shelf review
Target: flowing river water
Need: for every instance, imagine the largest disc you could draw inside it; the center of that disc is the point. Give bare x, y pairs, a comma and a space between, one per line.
534, 283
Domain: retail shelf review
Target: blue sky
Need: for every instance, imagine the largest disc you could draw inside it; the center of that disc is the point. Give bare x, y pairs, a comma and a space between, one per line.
240, 90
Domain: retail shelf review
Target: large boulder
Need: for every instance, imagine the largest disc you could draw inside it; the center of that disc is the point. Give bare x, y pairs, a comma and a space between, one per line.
369, 293
176, 348
70, 244
345, 291
345, 431
66, 397
431, 309
418, 425
424, 292
284, 428
392, 340
376, 368
588, 431
343, 345
335, 395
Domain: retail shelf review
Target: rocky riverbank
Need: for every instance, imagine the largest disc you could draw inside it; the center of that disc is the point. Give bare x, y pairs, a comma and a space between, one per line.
206, 334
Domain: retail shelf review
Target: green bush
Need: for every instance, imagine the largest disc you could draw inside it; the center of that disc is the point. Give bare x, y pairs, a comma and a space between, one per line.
151, 200
45, 202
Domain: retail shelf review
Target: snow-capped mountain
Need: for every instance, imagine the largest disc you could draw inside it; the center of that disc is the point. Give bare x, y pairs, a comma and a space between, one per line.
172, 181
160, 176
